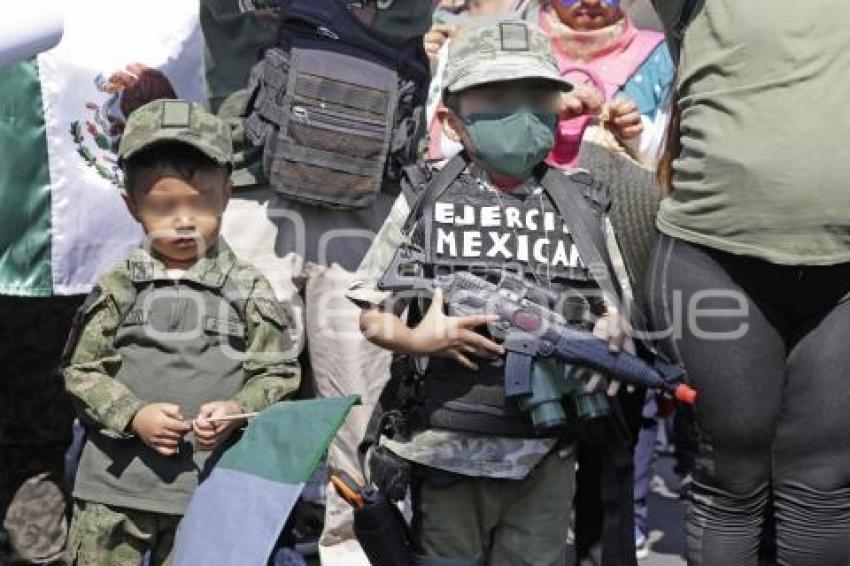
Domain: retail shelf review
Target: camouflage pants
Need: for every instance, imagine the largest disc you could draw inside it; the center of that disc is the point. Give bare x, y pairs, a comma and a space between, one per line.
102, 534
496, 522
35, 428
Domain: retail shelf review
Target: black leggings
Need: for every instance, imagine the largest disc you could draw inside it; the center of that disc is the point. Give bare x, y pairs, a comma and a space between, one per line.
772, 367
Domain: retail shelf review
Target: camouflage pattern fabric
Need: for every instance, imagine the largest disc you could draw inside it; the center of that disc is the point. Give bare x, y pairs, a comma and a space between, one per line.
36, 521
267, 373
111, 404
102, 534
364, 289
176, 121
35, 428
477, 456
234, 32
504, 50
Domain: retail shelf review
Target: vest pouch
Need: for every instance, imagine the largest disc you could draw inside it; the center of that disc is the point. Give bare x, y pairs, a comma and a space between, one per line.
336, 126
409, 133
266, 88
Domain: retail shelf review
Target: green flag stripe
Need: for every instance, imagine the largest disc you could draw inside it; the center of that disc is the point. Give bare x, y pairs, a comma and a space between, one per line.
286, 442
24, 185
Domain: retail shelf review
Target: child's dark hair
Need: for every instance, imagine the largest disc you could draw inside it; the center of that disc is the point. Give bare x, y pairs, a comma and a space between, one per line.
169, 157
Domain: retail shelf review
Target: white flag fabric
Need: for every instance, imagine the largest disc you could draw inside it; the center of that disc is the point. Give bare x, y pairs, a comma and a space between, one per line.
105, 44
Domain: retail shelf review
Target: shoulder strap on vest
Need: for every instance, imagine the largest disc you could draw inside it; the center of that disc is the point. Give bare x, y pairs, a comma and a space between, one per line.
123, 291
685, 17
581, 204
414, 179
677, 34
436, 187
582, 210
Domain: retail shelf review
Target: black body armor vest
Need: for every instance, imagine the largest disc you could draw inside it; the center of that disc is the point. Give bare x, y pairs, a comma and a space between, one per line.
461, 225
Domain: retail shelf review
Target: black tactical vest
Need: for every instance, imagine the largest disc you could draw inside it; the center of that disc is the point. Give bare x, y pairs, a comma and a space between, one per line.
461, 225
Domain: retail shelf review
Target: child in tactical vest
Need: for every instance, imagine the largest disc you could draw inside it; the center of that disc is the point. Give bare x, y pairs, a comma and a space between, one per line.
173, 345
490, 487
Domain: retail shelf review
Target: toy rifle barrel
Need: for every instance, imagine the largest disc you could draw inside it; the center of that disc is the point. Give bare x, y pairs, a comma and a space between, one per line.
685, 394
584, 349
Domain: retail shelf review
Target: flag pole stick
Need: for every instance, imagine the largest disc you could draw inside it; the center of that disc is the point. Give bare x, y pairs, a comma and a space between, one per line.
231, 417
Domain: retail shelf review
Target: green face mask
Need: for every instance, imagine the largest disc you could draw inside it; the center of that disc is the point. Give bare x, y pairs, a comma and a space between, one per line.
399, 21
512, 144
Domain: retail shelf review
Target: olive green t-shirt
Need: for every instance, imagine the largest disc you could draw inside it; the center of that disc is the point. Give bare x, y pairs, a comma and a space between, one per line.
765, 163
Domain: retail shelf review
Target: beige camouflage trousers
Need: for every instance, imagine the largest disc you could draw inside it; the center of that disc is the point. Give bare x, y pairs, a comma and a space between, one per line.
103, 534
343, 362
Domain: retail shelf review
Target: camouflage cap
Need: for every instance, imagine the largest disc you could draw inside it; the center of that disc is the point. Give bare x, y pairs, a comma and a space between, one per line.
176, 121
500, 50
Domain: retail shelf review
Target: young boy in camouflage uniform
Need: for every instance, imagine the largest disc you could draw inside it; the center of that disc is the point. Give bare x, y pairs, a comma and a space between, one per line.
489, 488
180, 335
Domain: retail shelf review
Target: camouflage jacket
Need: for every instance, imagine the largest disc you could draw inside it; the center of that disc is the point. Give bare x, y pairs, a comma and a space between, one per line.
269, 364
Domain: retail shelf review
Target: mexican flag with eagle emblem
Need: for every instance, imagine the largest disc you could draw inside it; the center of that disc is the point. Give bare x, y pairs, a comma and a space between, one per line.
62, 220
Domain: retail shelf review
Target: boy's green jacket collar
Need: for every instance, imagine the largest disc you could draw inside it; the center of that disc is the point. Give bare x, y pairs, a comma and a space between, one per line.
211, 270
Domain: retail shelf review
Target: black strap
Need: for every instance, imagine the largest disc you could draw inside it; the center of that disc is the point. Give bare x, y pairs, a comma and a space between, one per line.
331, 22
604, 504
583, 221
578, 214
436, 187
413, 181
685, 17
676, 34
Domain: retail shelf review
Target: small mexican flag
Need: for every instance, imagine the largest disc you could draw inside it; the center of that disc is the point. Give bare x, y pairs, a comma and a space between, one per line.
237, 513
